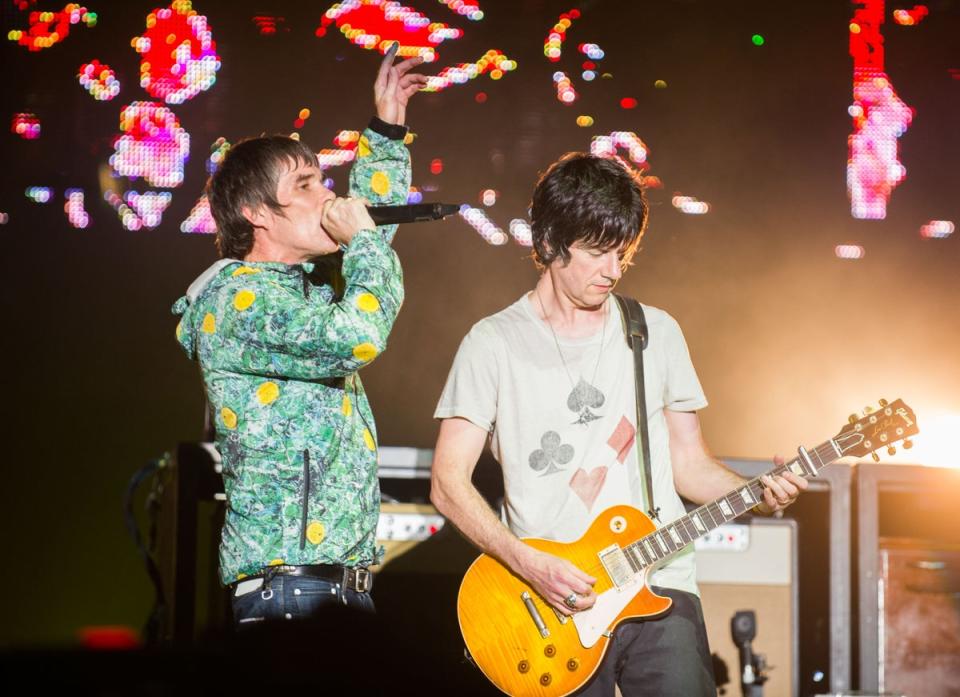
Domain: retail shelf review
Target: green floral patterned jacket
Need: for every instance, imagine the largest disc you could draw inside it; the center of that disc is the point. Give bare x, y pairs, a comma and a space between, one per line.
280, 357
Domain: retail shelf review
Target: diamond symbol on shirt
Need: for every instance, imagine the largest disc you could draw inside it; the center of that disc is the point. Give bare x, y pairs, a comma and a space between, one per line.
582, 398
621, 440
551, 453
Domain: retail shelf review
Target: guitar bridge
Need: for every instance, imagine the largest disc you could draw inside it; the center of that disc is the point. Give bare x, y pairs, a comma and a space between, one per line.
616, 565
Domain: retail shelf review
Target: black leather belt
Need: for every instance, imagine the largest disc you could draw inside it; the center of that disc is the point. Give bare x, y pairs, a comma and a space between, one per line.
355, 578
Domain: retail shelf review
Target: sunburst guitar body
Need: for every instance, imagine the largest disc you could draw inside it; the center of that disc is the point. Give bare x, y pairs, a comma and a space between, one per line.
526, 648
500, 615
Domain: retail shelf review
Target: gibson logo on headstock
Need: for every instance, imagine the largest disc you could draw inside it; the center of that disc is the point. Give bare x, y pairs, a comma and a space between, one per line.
902, 413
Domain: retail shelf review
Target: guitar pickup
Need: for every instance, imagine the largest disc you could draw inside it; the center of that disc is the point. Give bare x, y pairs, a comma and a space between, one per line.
616, 565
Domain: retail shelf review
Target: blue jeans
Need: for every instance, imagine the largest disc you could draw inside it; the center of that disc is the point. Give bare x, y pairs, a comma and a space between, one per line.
665, 657
294, 598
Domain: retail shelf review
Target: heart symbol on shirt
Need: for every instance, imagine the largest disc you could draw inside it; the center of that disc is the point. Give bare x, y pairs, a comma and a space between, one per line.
587, 486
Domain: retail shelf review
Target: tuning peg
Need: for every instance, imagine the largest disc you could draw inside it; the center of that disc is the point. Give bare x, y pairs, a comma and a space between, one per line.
876, 458
852, 418
907, 443
891, 451
884, 402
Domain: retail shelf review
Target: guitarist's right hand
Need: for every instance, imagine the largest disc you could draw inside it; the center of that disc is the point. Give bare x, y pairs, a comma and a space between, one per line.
555, 578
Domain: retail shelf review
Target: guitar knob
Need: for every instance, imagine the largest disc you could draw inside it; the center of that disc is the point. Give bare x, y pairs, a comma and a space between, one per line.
546, 679
550, 651
876, 458
891, 451
573, 664
907, 443
884, 402
852, 418
523, 666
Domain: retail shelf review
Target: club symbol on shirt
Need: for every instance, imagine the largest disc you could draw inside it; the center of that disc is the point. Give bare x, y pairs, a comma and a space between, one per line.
582, 398
551, 454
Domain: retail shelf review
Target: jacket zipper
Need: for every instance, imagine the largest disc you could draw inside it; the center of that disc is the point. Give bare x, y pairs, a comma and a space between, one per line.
306, 498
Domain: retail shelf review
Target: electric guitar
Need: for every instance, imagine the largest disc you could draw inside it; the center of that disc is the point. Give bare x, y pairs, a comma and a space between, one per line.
525, 647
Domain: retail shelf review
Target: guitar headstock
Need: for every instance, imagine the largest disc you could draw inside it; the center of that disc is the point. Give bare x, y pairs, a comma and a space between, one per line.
879, 428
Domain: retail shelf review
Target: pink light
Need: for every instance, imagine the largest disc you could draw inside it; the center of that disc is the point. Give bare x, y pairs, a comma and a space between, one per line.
25, 125
880, 117
937, 229
849, 251
492, 62
77, 216
479, 221
200, 221
154, 146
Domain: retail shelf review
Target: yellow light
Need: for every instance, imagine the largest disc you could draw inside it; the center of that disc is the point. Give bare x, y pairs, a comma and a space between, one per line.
935, 444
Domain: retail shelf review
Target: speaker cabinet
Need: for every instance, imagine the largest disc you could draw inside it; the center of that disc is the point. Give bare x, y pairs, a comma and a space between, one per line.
919, 618
757, 573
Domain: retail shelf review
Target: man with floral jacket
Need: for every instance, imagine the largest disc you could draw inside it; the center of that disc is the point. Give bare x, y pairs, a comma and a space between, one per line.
280, 353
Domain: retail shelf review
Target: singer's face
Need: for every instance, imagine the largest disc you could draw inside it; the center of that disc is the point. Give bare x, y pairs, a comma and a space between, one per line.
298, 230
590, 275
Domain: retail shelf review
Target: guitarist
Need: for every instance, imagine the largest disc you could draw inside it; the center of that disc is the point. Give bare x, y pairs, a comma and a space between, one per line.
549, 381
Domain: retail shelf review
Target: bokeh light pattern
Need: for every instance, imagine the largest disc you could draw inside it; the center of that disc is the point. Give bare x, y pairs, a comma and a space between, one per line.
479, 221
47, 29
179, 56
25, 125
553, 44
99, 80
77, 215
880, 117
39, 194
566, 94
521, 231
937, 229
377, 24
154, 145
200, 220
466, 8
690, 205
910, 18
849, 251
492, 62
218, 151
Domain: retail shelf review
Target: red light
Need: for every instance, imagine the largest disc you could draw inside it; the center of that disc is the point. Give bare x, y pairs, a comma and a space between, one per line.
436, 166
628, 103
109, 638
480, 97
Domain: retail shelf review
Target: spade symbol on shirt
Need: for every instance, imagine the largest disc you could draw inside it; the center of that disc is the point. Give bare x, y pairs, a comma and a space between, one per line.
582, 398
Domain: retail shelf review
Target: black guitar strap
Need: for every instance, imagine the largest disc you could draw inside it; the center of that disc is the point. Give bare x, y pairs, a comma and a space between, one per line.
635, 329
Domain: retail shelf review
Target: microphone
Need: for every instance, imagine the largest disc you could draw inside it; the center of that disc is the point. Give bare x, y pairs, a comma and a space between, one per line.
413, 213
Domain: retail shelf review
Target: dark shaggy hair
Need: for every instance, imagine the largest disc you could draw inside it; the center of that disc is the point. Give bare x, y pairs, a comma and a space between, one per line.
248, 177
592, 200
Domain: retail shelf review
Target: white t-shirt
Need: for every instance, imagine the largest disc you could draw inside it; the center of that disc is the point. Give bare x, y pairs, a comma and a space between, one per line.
564, 430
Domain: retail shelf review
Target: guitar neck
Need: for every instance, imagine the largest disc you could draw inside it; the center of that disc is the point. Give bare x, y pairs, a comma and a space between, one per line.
670, 538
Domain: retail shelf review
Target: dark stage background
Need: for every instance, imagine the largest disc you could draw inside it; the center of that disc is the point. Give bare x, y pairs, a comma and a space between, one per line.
788, 338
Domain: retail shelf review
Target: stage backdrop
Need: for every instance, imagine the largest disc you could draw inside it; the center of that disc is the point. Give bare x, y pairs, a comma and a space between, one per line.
800, 159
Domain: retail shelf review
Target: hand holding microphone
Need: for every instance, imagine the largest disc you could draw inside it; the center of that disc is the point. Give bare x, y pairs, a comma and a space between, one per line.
344, 217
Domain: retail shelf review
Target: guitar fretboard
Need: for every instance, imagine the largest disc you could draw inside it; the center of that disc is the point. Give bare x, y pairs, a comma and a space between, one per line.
675, 536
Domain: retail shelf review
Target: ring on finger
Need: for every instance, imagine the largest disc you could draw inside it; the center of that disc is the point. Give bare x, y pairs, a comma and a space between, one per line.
571, 601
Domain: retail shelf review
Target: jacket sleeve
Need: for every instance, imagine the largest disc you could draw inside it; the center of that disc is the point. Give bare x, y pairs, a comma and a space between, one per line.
381, 170
272, 329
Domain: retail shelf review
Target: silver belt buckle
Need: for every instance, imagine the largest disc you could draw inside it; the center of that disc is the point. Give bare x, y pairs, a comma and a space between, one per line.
362, 580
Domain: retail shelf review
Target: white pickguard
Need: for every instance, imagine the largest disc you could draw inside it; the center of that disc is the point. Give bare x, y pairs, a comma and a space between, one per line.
593, 623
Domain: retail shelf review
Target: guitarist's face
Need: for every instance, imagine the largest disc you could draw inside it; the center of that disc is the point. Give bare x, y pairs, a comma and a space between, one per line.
589, 276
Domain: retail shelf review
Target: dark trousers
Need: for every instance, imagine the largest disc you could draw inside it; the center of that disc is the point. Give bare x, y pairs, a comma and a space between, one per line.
665, 657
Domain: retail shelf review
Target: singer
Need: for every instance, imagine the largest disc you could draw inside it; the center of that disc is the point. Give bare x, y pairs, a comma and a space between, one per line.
280, 351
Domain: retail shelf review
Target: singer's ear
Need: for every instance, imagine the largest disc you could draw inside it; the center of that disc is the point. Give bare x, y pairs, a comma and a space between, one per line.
255, 216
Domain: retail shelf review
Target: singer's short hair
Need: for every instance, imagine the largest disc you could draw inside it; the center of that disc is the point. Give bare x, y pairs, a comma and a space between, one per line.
247, 178
595, 201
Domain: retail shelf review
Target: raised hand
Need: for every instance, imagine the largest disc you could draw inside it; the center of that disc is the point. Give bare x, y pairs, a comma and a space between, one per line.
394, 86
345, 217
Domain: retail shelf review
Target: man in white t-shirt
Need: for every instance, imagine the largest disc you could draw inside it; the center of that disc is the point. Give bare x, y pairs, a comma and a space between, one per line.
549, 381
